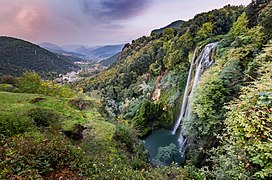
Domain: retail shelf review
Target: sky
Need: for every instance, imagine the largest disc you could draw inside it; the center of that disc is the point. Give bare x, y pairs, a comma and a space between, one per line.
96, 22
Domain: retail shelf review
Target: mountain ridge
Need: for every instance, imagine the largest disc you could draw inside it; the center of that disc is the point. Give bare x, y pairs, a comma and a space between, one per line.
175, 24
17, 56
85, 52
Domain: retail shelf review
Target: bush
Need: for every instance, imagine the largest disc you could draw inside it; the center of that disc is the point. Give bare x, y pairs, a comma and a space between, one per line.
42, 116
34, 155
30, 82
166, 154
126, 135
15, 123
128, 141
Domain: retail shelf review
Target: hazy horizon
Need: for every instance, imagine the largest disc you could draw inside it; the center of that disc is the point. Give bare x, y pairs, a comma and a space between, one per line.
95, 22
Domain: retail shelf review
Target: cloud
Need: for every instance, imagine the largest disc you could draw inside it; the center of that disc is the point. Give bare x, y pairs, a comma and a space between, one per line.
93, 22
114, 9
30, 18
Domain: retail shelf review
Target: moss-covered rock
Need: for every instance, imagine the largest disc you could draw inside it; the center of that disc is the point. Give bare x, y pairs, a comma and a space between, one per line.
151, 116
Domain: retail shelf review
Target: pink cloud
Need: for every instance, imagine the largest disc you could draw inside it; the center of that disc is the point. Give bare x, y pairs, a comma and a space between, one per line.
24, 20
30, 19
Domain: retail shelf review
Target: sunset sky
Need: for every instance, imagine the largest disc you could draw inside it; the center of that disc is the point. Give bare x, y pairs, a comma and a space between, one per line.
95, 22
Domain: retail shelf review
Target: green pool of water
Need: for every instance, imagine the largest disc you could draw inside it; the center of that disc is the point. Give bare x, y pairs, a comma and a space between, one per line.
162, 138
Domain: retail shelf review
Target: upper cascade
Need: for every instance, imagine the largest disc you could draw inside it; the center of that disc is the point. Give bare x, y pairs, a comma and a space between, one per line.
199, 65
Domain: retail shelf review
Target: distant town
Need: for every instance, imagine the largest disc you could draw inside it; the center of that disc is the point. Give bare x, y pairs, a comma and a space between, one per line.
87, 69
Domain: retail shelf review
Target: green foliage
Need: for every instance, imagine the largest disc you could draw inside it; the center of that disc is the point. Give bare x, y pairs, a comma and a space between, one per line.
149, 60
151, 115
209, 97
240, 26
15, 123
247, 138
185, 42
125, 135
33, 144
129, 107
168, 33
231, 75
6, 87
52, 89
253, 11
18, 56
31, 82
265, 20
166, 155
220, 84
33, 155
205, 31
43, 117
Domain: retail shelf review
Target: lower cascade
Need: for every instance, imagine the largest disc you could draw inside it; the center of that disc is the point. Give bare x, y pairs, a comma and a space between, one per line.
198, 66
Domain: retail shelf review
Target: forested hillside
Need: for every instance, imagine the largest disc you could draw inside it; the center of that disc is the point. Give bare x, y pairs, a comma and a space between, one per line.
18, 56
146, 85
94, 130
151, 72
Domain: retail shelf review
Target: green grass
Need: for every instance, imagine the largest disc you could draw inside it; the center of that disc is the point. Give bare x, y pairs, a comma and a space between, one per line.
103, 130
20, 103
16, 102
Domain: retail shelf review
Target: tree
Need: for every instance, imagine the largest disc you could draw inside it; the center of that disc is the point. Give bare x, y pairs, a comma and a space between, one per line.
30, 82
169, 33
166, 154
185, 42
240, 26
205, 31
265, 20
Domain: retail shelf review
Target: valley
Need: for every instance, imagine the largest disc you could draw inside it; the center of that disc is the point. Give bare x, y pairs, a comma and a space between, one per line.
192, 100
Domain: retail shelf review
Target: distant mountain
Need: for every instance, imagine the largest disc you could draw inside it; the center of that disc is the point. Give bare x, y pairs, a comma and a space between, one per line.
73, 47
71, 55
96, 52
51, 47
175, 24
83, 50
106, 51
17, 56
109, 61
78, 52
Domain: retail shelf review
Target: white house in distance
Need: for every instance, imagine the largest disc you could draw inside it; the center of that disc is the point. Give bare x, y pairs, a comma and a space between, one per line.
68, 77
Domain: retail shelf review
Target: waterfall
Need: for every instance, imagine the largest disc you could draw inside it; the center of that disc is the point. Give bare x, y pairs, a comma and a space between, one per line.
185, 96
203, 62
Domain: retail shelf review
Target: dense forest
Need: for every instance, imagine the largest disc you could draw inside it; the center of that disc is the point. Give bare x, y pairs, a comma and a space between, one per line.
93, 128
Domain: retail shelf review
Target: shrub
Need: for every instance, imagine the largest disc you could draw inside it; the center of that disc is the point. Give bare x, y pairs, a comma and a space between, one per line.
34, 155
166, 154
30, 82
15, 123
42, 116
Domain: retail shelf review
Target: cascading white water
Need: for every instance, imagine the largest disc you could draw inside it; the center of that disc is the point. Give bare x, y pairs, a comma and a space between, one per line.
185, 96
203, 62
